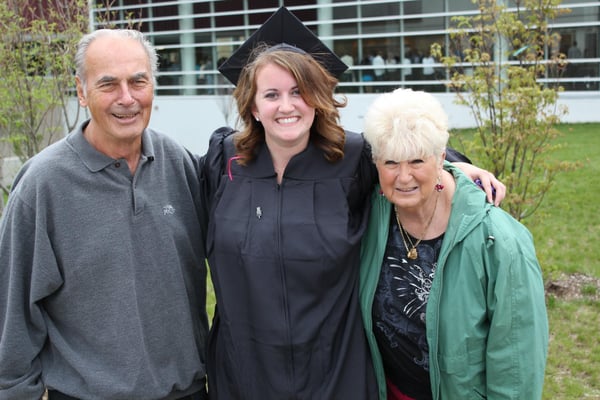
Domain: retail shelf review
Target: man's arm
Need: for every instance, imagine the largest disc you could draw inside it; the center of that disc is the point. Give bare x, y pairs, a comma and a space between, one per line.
22, 325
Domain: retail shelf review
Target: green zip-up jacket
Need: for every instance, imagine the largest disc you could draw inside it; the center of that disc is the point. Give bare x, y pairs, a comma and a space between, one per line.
487, 327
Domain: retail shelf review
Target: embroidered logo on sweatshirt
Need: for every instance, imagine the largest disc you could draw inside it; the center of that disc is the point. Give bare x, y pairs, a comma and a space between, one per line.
168, 210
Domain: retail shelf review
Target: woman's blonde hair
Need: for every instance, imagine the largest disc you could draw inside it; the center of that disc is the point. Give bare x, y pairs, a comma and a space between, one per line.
406, 125
317, 88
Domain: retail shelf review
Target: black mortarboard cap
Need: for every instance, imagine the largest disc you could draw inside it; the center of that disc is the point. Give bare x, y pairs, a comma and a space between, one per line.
283, 27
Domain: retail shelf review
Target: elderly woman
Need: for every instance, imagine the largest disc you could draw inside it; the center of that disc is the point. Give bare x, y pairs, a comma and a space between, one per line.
451, 291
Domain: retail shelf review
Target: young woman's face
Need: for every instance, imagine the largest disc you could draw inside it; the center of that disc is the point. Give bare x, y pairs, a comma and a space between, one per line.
408, 184
281, 110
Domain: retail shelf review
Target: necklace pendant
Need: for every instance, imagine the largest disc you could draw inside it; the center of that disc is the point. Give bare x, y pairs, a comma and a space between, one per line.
412, 254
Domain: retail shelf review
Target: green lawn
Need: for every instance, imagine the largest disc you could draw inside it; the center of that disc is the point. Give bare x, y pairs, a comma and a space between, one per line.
566, 231
567, 226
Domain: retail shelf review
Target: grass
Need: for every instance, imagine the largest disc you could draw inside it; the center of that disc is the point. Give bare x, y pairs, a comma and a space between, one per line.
567, 226
573, 367
566, 229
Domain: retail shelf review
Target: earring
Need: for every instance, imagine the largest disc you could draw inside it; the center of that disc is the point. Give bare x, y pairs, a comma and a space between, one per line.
438, 186
257, 119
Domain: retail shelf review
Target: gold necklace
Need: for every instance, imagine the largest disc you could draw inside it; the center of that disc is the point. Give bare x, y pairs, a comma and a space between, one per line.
412, 252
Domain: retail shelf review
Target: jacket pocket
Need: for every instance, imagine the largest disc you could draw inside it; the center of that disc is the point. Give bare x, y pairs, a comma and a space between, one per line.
453, 364
463, 374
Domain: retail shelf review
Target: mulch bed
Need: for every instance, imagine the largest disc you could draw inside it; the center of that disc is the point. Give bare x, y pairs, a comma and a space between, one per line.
574, 287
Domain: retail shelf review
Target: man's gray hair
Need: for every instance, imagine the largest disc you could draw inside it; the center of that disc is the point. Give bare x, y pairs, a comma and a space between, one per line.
84, 44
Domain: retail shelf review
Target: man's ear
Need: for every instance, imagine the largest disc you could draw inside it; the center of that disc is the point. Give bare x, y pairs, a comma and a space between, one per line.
80, 92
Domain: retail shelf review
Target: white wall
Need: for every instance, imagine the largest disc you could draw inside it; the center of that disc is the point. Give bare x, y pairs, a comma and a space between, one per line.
9, 166
191, 119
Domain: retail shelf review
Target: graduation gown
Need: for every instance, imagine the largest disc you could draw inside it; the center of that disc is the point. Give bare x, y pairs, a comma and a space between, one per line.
284, 262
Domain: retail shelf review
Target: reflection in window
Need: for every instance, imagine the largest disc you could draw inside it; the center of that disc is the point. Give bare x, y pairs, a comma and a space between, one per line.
362, 33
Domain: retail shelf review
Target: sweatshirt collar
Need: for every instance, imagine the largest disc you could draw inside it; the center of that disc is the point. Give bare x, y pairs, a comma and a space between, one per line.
93, 159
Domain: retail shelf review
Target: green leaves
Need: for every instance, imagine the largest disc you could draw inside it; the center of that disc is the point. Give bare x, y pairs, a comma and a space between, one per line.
37, 49
500, 70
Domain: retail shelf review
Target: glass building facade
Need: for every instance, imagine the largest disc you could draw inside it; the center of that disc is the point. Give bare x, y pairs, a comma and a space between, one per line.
385, 43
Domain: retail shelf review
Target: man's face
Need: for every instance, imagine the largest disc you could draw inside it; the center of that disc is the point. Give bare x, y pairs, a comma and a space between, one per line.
119, 90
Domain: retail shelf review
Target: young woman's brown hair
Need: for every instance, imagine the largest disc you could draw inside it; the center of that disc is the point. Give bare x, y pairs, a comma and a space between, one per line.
317, 88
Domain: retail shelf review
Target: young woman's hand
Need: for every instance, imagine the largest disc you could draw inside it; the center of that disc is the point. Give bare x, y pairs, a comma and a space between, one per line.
493, 188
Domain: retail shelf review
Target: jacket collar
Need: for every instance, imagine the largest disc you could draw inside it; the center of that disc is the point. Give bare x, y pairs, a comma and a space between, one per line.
304, 165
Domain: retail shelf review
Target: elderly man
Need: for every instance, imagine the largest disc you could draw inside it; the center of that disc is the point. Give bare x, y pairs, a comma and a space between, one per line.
102, 273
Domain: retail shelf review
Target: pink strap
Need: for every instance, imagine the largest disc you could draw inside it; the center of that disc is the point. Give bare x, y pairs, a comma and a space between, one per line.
229, 166
394, 394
